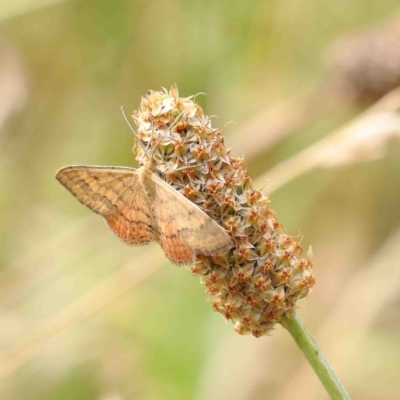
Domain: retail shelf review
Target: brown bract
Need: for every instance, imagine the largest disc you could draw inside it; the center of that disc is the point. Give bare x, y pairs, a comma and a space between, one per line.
263, 275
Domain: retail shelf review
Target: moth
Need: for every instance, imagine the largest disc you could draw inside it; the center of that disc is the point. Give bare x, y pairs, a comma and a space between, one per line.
141, 208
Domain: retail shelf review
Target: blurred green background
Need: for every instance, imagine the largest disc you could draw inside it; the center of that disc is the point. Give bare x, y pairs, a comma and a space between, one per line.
84, 317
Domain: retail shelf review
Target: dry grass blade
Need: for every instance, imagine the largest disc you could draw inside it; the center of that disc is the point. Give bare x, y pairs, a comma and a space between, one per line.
13, 83
79, 311
363, 139
275, 123
24, 278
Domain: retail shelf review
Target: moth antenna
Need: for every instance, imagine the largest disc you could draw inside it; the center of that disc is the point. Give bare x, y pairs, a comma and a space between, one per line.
149, 142
138, 140
167, 131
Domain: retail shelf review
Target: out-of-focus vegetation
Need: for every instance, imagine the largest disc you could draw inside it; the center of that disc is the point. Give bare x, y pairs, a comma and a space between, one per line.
81, 315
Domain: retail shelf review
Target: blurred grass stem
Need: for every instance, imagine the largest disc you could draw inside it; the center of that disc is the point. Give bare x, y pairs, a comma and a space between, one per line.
318, 362
363, 139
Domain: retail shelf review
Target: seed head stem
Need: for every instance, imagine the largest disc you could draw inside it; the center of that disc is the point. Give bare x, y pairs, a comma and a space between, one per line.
294, 325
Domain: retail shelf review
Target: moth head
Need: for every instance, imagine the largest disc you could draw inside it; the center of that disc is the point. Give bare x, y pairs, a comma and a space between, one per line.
148, 162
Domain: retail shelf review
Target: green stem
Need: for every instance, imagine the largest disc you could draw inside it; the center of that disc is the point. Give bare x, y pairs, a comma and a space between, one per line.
318, 362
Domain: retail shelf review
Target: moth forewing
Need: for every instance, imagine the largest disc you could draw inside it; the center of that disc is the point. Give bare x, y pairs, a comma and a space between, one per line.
97, 187
140, 207
114, 193
197, 230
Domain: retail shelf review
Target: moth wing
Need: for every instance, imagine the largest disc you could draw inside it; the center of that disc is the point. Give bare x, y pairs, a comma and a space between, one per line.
184, 229
114, 193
